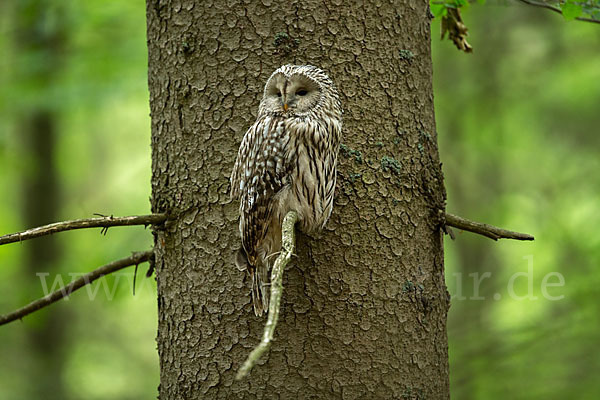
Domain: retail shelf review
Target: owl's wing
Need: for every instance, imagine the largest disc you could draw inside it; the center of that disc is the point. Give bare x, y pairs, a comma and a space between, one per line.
262, 170
237, 174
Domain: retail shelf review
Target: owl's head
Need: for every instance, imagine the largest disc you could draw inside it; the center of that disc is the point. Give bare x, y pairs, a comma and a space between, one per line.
297, 90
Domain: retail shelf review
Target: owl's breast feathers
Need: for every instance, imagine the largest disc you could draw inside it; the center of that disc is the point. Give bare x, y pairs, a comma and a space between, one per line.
314, 174
284, 164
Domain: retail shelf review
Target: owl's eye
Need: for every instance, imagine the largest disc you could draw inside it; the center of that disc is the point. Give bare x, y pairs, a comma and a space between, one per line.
302, 92
278, 93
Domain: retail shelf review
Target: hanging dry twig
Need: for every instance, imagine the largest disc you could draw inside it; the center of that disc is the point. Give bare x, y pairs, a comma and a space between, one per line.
288, 244
453, 24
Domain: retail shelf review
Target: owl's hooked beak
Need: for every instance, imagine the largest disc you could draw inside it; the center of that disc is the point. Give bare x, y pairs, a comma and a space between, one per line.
285, 106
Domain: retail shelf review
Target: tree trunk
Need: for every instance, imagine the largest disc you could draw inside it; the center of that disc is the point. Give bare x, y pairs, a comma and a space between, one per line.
37, 37
364, 306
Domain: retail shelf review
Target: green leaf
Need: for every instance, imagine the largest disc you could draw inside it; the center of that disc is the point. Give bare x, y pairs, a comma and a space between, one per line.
571, 11
481, 1
438, 10
461, 3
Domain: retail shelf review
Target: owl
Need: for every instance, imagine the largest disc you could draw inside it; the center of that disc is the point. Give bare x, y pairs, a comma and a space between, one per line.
286, 161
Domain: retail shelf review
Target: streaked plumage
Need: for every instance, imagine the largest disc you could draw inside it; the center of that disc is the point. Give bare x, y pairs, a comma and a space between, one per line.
286, 161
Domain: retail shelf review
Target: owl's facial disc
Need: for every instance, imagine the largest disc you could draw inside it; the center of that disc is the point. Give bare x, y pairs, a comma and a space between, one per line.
296, 94
301, 94
275, 93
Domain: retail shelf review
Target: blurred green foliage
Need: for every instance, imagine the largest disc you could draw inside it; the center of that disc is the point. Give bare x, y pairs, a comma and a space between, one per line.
518, 129
569, 9
518, 123
99, 98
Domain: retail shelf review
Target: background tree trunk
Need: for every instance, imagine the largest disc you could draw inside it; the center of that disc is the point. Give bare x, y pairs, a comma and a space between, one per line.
38, 125
364, 308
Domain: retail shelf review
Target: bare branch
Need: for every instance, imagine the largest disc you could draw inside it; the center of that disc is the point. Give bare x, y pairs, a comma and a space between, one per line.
104, 222
556, 10
486, 230
134, 259
288, 241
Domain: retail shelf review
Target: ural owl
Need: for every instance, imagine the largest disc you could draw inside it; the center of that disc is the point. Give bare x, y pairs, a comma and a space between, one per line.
286, 162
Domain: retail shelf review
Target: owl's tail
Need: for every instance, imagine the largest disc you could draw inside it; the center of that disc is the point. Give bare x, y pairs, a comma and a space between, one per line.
260, 298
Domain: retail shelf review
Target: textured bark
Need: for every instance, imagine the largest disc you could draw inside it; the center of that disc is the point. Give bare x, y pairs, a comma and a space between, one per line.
364, 309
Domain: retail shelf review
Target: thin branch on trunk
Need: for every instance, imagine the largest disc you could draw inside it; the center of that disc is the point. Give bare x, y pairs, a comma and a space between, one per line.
103, 222
288, 244
486, 230
556, 10
65, 291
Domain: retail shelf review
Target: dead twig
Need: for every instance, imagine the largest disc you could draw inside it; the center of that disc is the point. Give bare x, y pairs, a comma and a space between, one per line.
486, 230
134, 259
103, 222
288, 241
